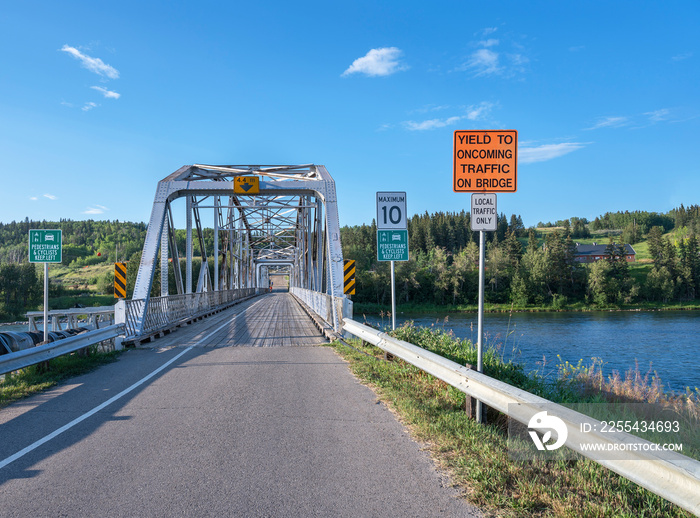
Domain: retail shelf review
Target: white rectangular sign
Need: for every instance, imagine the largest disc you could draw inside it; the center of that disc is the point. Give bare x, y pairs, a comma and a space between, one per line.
484, 215
391, 210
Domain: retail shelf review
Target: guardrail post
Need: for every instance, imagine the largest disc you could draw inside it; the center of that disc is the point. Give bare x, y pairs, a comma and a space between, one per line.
470, 402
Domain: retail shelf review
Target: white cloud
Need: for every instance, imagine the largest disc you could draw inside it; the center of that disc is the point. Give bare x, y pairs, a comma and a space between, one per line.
377, 62
33, 198
491, 42
479, 111
107, 93
95, 65
483, 62
97, 209
89, 106
473, 113
431, 108
658, 115
50, 196
547, 152
681, 57
431, 124
495, 57
610, 122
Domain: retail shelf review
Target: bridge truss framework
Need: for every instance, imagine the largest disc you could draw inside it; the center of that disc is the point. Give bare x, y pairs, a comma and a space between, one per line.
291, 225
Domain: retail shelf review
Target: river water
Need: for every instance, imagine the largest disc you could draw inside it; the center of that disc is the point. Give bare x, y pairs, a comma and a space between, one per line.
665, 342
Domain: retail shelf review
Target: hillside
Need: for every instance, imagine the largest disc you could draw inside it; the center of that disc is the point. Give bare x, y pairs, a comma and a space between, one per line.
526, 268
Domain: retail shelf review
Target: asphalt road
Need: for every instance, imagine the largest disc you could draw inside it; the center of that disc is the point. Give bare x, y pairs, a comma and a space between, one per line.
227, 431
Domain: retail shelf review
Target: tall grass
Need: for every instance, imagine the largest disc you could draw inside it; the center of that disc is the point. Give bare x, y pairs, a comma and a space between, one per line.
477, 455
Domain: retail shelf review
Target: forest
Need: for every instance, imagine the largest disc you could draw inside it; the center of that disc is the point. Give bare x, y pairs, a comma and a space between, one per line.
525, 267
536, 266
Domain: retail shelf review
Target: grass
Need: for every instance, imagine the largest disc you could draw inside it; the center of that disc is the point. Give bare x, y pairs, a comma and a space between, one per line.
40, 377
476, 455
84, 299
78, 277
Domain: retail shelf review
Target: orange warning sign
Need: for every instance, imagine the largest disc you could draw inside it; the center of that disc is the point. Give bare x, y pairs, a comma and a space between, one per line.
485, 161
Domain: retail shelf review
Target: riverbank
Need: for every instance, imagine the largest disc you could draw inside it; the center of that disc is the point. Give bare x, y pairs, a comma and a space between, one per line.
477, 456
371, 308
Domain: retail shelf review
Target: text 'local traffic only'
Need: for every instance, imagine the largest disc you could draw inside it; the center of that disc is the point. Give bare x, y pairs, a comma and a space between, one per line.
485, 161
484, 215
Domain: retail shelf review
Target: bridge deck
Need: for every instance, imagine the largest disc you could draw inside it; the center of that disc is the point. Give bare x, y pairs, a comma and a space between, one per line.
271, 320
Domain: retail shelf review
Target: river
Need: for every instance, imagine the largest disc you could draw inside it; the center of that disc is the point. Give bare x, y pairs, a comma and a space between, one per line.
665, 342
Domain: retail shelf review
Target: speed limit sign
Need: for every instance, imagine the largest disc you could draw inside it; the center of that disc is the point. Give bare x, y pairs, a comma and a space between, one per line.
391, 210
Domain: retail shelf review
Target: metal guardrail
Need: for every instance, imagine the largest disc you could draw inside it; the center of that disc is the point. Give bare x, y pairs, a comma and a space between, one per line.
33, 355
674, 477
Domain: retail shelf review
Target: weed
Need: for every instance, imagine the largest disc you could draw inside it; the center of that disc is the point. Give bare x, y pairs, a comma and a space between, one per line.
476, 455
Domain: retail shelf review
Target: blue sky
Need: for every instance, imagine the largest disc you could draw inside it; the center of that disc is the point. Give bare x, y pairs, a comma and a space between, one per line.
101, 100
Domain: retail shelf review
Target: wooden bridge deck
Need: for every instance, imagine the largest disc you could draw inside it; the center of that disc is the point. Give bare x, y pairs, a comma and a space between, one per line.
270, 320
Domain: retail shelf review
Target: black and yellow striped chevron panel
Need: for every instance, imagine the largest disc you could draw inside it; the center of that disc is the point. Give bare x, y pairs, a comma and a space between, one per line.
349, 276
119, 280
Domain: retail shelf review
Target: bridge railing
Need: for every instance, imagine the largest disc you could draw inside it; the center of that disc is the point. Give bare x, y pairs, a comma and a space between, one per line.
73, 317
331, 309
163, 312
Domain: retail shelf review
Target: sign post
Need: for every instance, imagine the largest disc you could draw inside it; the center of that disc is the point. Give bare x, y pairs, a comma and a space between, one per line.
484, 162
392, 235
45, 246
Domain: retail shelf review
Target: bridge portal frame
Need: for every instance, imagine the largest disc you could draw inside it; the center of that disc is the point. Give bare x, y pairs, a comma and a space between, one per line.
302, 197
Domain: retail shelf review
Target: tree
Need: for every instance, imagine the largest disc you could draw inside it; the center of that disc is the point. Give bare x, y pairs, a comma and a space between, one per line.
655, 243
439, 260
617, 284
497, 271
599, 286
462, 277
579, 230
659, 285
631, 234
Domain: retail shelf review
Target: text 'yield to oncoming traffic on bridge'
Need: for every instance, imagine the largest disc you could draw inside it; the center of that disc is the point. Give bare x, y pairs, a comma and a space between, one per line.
485, 161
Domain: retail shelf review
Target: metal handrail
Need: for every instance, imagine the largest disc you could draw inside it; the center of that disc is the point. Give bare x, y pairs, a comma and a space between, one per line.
674, 477
330, 309
95, 316
162, 312
33, 355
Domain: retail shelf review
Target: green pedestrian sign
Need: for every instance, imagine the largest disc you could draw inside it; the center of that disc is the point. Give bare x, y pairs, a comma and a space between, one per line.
392, 245
45, 246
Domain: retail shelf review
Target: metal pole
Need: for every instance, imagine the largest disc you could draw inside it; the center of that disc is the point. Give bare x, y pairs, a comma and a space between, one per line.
393, 299
46, 302
480, 319
188, 246
216, 242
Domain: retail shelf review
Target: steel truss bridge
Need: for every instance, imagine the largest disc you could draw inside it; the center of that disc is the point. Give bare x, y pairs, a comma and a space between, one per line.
287, 225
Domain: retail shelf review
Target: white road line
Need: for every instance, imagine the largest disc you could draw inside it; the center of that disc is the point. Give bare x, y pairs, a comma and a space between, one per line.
123, 393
